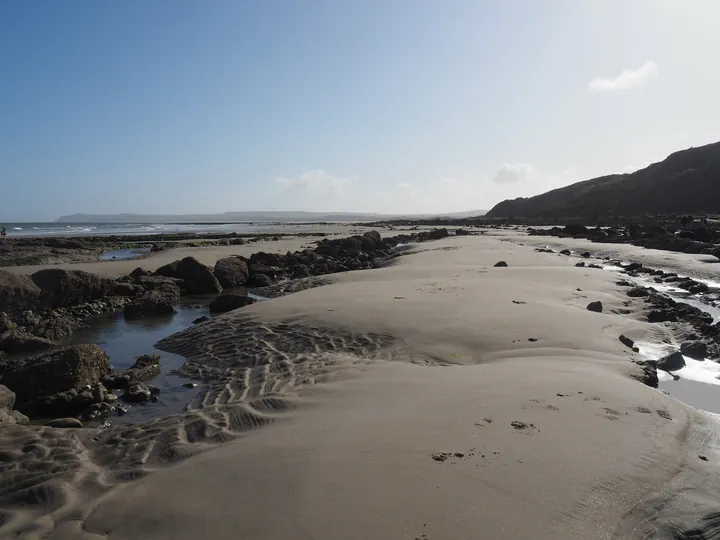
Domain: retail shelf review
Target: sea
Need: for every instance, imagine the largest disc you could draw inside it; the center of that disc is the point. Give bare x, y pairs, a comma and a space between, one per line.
128, 229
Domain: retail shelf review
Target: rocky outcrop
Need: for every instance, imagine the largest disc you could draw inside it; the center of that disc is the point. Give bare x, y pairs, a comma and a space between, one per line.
231, 272
18, 293
228, 302
63, 288
672, 362
697, 350
53, 381
15, 342
199, 279
159, 301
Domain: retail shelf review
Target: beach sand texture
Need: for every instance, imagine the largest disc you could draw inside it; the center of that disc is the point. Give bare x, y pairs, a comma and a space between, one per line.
437, 398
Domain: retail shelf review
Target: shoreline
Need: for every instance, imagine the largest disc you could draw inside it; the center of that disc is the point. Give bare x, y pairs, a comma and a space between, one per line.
414, 359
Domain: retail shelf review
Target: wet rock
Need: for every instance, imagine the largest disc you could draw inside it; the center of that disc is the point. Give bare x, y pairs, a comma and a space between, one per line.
672, 362
662, 315
231, 272
580, 265
57, 371
585, 254
229, 302
595, 266
189, 385
98, 410
595, 307
145, 367
154, 390
201, 319
500, 264
139, 272
117, 381
62, 288
638, 292
155, 302
623, 283
65, 423
697, 288
632, 267
697, 350
168, 270
18, 293
199, 279
566, 252
137, 393
627, 341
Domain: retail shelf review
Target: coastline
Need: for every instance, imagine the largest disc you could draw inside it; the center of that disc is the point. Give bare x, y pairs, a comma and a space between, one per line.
438, 355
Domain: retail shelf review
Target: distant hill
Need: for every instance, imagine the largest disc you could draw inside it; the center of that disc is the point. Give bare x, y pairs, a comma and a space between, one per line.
685, 182
245, 217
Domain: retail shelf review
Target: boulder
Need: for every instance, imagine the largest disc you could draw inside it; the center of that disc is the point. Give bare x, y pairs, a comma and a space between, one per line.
60, 370
501, 264
18, 293
237, 242
566, 252
595, 307
231, 272
326, 249
155, 302
159, 282
228, 302
14, 342
697, 350
259, 280
585, 254
375, 235
169, 270
267, 259
199, 279
139, 272
63, 288
65, 423
672, 362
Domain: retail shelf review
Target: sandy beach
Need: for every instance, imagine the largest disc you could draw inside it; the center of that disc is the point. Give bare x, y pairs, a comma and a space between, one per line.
440, 397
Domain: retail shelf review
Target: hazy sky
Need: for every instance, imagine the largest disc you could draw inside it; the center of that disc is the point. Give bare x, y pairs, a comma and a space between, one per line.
349, 105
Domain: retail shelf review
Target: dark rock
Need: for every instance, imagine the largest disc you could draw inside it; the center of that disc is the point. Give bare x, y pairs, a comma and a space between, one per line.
229, 302
155, 302
201, 319
697, 288
237, 242
115, 381
501, 264
154, 390
566, 252
127, 289
189, 385
259, 280
67, 368
145, 367
672, 362
575, 230
137, 393
65, 423
199, 279
581, 264
716, 252
638, 292
623, 283
62, 288
585, 254
14, 342
139, 272
265, 259
697, 350
375, 235
648, 374
627, 341
595, 307
633, 267
168, 270
18, 293
159, 282
595, 266
231, 272
662, 315
327, 249
97, 410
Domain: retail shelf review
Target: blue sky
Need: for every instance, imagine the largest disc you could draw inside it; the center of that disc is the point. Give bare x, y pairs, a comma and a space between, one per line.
385, 106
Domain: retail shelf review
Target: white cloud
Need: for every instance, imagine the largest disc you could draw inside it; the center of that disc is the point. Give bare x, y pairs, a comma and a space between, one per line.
626, 80
317, 180
508, 174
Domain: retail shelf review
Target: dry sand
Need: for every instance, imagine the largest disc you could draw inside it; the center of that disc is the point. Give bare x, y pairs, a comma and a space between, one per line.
400, 403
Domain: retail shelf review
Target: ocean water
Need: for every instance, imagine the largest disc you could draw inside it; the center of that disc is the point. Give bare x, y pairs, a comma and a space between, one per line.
106, 229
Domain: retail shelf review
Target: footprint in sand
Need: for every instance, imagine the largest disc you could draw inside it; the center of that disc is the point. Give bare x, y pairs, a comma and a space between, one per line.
523, 427
663, 413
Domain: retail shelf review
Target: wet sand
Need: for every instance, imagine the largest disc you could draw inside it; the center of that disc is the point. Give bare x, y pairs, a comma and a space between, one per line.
437, 398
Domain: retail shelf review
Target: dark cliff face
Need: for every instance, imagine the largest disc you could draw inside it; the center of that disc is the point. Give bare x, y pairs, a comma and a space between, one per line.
685, 182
